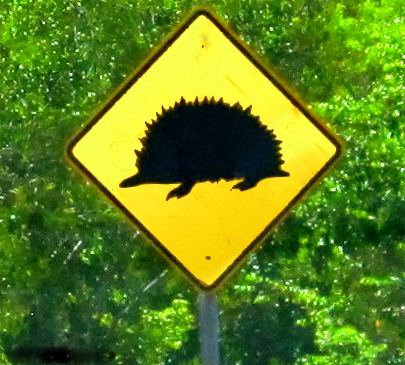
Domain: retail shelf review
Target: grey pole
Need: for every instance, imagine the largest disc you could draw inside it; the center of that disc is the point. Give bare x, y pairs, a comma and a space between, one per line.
209, 328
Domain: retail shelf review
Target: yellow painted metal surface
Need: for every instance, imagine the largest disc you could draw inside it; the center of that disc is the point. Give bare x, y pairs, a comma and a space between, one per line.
212, 228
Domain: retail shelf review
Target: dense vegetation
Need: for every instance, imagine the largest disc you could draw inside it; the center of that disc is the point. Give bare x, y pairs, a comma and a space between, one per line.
327, 288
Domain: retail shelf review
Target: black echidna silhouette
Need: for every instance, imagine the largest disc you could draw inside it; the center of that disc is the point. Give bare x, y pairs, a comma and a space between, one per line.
196, 141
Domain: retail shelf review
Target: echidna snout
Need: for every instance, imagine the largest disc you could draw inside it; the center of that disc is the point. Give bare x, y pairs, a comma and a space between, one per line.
131, 182
210, 140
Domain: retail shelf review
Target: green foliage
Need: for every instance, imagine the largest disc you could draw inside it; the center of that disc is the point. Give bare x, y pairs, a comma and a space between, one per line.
327, 287
3, 358
165, 330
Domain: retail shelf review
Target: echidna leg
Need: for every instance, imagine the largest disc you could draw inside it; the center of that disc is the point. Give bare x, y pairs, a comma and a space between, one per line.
181, 191
245, 184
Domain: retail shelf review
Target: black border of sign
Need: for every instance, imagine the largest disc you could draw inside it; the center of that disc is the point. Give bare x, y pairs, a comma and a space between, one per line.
132, 79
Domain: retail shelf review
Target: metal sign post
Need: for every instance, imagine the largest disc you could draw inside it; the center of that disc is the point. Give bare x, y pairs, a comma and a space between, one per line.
209, 328
200, 78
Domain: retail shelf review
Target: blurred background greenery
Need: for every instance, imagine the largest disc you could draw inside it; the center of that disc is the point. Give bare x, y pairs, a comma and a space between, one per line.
327, 288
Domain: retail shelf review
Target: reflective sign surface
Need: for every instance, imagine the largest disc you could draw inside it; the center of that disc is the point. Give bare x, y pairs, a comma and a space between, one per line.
204, 184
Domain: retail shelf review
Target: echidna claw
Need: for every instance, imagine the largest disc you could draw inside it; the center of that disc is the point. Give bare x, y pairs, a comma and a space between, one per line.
245, 185
180, 191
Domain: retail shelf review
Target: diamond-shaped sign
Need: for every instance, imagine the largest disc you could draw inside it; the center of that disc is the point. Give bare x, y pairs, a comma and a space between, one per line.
227, 150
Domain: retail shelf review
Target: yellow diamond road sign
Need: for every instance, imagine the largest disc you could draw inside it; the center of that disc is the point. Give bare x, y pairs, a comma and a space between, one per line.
222, 149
